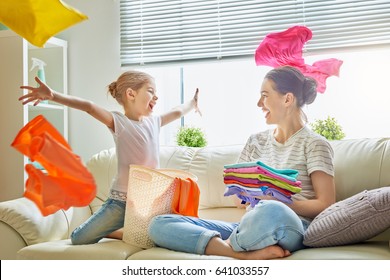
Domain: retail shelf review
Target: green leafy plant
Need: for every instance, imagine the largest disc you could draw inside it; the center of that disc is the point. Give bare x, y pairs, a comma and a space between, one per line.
191, 137
329, 128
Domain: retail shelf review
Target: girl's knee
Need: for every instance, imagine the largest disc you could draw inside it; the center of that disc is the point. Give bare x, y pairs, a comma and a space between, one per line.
76, 239
80, 237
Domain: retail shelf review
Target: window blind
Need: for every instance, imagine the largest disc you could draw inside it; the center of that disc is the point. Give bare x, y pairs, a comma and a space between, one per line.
154, 31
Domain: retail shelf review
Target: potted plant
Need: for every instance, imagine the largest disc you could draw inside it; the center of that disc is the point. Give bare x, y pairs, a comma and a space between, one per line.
191, 137
329, 128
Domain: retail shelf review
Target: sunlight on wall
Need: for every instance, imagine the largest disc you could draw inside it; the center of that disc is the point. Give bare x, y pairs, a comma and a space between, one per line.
229, 91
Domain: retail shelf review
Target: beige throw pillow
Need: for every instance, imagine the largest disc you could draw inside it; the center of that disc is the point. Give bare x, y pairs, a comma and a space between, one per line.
351, 220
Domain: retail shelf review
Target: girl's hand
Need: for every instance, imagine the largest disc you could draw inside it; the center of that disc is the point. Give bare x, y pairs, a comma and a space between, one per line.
38, 94
196, 102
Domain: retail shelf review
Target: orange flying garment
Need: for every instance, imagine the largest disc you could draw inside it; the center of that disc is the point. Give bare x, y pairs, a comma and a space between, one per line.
66, 182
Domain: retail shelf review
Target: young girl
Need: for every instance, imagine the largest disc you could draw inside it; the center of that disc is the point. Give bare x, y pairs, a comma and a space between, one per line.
271, 229
136, 136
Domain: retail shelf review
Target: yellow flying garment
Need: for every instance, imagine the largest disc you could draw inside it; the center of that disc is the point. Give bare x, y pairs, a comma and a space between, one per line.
38, 20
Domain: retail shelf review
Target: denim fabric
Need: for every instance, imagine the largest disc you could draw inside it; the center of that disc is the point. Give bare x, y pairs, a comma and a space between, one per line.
107, 219
269, 223
187, 234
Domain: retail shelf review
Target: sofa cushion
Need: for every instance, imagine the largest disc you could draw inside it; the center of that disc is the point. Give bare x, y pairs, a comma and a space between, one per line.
158, 253
362, 251
360, 164
207, 164
106, 249
377, 250
352, 220
25, 218
103, 167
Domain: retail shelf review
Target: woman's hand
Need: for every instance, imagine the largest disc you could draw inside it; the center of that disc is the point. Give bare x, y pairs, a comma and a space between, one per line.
265, 197
38, 94
196, 102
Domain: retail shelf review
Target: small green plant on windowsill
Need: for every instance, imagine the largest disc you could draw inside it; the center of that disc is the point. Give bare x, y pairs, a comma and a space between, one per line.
190, 137
329, 128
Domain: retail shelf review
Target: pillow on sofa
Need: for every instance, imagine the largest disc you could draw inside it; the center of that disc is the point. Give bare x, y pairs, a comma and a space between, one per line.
355, 219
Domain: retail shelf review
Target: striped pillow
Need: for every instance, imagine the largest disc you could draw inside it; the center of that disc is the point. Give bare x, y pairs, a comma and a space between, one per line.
352, 220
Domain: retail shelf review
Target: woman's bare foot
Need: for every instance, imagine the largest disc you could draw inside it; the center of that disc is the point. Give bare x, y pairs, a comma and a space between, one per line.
268, 253
218, 247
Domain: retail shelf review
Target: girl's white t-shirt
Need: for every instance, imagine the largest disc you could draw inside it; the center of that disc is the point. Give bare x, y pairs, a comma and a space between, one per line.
137, 142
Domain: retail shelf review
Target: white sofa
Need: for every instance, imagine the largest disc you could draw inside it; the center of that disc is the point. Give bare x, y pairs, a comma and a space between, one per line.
26, 234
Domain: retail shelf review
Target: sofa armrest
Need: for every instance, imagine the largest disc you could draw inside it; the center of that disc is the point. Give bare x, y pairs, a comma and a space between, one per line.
22, 224
10, 242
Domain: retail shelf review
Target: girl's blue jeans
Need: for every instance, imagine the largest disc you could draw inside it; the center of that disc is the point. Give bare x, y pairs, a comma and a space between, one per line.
269, 223
107, 219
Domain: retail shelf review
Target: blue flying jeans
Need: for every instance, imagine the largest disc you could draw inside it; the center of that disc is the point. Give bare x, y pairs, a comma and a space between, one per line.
268, 223
107, 219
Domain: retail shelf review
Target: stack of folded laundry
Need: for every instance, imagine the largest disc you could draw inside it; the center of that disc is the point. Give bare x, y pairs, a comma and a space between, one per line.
248, 180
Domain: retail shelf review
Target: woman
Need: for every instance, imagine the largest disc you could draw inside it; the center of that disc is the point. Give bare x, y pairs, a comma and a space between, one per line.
271, 229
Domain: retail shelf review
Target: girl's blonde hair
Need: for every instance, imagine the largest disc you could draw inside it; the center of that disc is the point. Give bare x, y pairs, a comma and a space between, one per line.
129, 79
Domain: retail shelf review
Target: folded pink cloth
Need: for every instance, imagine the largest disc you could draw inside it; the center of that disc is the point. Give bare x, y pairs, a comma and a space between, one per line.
285, 48
258, 185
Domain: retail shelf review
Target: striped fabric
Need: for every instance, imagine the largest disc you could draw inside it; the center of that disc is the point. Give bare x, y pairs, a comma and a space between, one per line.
352, 220
305, 151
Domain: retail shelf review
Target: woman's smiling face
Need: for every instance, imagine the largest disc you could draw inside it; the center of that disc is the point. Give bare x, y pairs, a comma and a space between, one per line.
271, 102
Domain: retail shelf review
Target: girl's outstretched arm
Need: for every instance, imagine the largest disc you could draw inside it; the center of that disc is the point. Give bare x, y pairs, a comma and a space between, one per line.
43, 92
181, 110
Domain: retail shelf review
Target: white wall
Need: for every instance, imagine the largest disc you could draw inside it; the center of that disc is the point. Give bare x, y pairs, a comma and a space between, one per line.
93, 64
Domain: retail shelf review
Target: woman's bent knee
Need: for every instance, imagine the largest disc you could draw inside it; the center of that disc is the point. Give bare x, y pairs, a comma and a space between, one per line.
270, 212
269, 223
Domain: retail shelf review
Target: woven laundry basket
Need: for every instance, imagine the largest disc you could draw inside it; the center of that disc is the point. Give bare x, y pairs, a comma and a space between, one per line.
150, 193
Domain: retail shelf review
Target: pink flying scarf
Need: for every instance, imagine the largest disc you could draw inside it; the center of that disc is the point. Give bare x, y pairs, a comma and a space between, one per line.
285, 48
